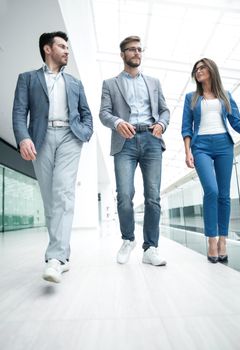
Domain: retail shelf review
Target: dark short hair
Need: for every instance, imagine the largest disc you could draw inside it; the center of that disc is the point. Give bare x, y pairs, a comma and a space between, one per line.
128, 40
48, 39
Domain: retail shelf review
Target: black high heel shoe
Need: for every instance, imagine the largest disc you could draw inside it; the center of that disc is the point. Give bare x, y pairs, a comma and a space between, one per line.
213, 259
223, 258
212, 254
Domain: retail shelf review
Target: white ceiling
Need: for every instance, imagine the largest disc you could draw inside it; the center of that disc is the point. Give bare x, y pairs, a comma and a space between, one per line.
20, 26
175, 34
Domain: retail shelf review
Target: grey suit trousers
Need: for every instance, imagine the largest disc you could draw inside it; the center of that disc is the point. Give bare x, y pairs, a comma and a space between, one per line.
56, 167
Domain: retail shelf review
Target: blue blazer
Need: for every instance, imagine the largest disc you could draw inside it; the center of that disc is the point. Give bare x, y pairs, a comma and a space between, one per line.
31, 97
192, 117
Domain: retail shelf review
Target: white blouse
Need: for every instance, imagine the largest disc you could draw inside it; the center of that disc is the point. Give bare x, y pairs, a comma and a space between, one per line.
211, 119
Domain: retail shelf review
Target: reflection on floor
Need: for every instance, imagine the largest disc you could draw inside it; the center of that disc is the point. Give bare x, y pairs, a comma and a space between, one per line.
100, 305
198, 242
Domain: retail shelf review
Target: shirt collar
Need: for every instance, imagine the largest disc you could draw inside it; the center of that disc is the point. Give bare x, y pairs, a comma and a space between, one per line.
129, 76
47, 70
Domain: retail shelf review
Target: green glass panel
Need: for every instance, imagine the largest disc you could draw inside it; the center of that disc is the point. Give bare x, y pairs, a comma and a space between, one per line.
22, 202
1, 199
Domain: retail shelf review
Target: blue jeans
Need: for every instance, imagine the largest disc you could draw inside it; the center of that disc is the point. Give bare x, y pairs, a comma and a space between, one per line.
146, 150
213, 159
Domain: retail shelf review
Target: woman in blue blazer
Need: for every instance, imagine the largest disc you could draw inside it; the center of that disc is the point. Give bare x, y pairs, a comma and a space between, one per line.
209, 148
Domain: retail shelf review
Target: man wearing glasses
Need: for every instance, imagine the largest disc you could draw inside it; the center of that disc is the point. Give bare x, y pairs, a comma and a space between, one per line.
133, 106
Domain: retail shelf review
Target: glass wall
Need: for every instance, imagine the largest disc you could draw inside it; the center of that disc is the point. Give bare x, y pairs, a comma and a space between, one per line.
21, 203
235, 198
182, 206
182, 211
1, 199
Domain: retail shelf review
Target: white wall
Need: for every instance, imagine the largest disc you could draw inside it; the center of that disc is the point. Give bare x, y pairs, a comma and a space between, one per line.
21, 24
79, 22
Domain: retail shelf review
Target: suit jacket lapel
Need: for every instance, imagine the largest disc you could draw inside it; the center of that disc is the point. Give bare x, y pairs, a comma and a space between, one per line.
150, 88
42, 80
67, 83
121, 87
197, 110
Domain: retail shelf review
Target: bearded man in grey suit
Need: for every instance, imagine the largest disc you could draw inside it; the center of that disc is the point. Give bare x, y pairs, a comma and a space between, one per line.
59, 122
134, 108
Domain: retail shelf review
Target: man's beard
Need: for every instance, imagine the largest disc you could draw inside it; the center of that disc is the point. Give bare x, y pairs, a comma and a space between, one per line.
133, 64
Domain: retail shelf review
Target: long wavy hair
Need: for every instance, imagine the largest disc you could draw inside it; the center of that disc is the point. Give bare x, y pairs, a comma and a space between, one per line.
216, 83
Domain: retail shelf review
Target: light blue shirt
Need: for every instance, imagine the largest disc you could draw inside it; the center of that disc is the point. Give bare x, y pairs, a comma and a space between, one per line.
58, 108
138, 99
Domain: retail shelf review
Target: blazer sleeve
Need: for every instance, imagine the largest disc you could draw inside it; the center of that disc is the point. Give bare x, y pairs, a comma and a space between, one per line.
234, 116
106, 109
21, 109
187, 117
85, 114
164, 114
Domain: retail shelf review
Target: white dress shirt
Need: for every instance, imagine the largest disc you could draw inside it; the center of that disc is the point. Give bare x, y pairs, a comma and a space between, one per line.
58, 109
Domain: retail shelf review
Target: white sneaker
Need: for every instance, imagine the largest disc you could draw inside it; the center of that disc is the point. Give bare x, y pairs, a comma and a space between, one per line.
151, 256
65, 267
54, 270
125, 250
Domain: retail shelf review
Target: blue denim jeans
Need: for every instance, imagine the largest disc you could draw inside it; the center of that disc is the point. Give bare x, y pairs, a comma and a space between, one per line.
146, 150
213, 159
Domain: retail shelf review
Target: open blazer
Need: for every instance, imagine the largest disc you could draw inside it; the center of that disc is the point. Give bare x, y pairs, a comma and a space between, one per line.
31, 96
192, 117
115, 105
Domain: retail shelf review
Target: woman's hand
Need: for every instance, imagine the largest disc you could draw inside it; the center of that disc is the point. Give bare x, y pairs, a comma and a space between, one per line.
189, 159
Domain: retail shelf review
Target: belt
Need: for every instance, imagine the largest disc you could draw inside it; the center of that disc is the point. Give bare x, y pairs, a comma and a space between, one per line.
141, 127
57, 123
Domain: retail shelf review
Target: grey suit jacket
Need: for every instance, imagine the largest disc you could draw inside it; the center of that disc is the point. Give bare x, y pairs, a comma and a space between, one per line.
114, 105
31, 97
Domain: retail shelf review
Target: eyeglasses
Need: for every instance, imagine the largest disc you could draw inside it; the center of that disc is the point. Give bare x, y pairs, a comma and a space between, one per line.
134, 49
200, 68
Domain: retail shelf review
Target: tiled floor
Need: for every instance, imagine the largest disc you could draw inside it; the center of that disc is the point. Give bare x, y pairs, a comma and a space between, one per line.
100, 305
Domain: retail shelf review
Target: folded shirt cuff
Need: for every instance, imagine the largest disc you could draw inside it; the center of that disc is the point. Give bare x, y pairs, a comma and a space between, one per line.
162, 125
118, 121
